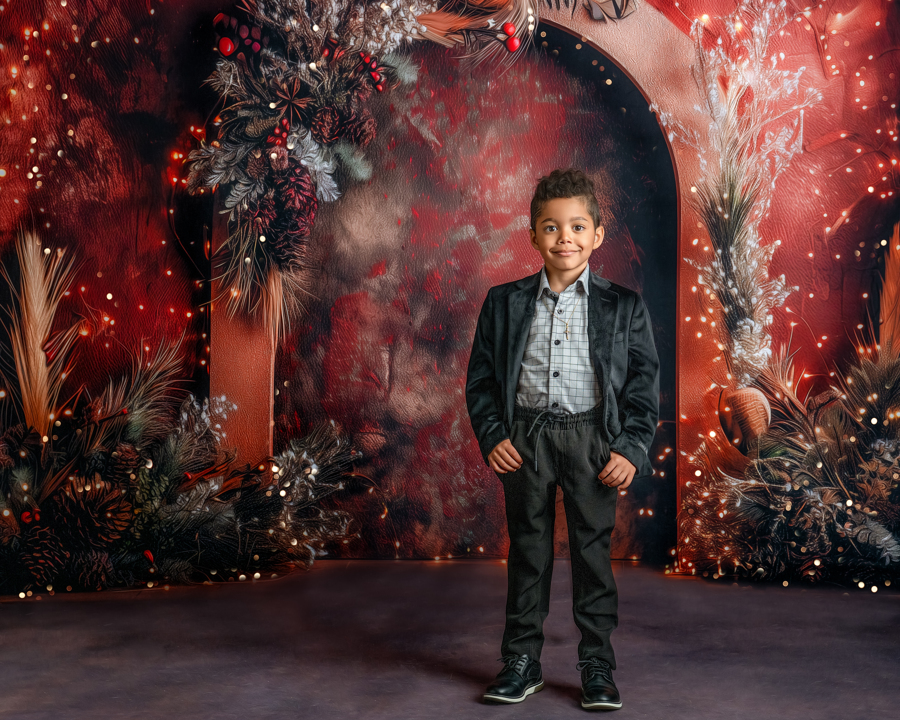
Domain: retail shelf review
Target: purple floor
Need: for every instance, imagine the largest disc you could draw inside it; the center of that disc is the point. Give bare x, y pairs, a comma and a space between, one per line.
399, 640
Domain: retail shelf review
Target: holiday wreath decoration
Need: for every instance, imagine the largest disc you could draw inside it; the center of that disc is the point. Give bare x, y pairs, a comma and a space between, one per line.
133, 487
296, 80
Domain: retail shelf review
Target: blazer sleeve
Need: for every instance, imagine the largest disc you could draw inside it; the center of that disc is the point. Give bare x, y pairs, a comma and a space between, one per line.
483, 392
639, 406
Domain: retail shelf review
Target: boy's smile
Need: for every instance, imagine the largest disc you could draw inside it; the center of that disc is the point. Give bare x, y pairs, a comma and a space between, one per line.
565, 236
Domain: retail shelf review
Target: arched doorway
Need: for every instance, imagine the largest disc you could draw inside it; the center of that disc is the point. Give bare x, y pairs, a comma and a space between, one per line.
320, 374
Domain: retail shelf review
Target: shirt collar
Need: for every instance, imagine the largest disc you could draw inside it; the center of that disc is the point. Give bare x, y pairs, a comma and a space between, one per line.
584, 279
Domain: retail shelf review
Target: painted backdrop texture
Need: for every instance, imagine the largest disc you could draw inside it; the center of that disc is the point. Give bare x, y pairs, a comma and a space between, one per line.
93, 146
405, 261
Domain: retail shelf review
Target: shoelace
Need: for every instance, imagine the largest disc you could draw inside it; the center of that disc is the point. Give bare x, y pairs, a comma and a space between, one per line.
595, 666
516, 662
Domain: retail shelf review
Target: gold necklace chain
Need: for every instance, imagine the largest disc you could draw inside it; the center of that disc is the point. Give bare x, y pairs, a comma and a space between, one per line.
570, 314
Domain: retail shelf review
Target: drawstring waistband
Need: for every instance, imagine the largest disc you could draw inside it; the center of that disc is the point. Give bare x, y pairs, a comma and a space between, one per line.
565, 420
538, 438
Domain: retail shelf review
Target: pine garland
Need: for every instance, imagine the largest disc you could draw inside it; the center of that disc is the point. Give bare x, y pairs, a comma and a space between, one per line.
180, 514
296, 81
134, 486
302, 85
822, 499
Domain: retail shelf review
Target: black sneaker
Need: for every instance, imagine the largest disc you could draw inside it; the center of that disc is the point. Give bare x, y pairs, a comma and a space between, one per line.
520, 677
598, 691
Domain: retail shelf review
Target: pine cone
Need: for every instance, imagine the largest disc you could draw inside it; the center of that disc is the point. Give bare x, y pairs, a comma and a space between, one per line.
95, 462
260, 126
10, 442
359, 129
278, 157
93, 517
297, 192
296, 198
16, 439
326, 125
257, 165
124, 462
363, 92
362, 132
264, 213
44, 555
92, 569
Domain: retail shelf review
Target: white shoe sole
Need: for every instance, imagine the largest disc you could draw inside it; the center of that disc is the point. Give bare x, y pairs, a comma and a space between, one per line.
509, 700
601, 705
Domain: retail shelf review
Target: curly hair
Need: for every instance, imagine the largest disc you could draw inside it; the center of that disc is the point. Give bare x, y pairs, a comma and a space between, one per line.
568, 183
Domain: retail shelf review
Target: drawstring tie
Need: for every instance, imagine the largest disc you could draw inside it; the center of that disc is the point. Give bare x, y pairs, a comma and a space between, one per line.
540, 430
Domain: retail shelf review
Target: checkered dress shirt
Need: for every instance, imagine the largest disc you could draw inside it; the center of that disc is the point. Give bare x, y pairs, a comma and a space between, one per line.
557, 374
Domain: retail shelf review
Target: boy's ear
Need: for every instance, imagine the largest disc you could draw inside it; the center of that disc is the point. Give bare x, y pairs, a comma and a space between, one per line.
598, 237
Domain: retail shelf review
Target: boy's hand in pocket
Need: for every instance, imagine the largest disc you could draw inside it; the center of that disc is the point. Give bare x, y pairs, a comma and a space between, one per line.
504, 457
618, 473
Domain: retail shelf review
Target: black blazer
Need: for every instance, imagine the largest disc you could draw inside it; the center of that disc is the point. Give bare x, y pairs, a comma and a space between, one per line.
623, 354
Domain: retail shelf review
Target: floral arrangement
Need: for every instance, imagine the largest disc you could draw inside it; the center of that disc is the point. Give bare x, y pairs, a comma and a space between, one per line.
133, 487
296, 80
822, 499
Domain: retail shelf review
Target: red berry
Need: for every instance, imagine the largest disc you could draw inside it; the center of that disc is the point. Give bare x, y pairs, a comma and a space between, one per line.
509, 28
226, 47
26, 517
148, 555
244, 31
326, 52
512, 43
379, 87
256, 47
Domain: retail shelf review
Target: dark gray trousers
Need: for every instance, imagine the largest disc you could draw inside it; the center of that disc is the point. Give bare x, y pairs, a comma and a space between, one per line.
569, 450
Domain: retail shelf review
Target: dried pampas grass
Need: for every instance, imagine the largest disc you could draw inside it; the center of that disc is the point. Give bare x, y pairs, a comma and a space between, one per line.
42, 359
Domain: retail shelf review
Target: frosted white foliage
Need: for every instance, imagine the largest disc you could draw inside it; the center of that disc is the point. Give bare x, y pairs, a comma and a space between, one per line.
755, 111
398, 26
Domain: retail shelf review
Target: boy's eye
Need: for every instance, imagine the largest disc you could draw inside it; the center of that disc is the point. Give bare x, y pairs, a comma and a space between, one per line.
579, 227
549, 228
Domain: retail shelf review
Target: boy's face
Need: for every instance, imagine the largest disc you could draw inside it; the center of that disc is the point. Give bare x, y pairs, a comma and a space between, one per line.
564, 234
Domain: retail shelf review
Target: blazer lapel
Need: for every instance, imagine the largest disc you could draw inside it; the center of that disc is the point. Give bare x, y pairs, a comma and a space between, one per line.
520, 311
603, 309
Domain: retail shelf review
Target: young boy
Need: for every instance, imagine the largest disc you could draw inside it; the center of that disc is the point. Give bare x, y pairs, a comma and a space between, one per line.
562, 388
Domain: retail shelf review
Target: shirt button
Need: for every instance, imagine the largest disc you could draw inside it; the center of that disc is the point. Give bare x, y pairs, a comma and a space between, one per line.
556, 404
559, 311
556, 374
556, 342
